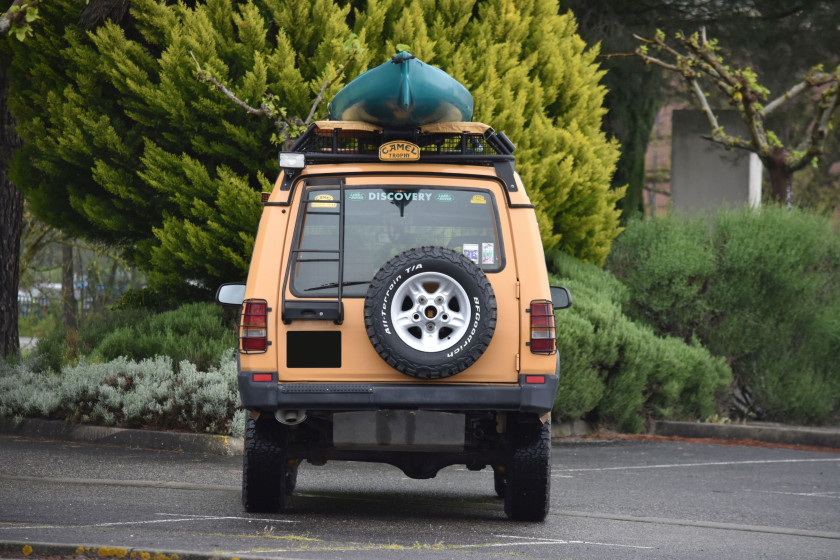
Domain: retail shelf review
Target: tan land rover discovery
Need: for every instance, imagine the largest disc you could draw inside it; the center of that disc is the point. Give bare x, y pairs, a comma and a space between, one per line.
397, 310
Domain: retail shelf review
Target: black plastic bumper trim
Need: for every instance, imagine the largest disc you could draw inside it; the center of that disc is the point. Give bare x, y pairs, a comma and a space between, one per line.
532, 398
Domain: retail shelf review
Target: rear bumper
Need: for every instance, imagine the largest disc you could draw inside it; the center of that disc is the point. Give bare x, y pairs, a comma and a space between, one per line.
269, 395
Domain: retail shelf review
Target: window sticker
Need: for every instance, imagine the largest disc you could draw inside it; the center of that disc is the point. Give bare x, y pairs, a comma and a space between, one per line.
356, 195
444, 197
324, 204
400, 196
471, 251
488, 253
478, 199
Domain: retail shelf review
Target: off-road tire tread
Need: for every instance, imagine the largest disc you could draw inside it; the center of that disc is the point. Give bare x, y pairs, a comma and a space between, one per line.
291, 478
263, 466
455, 364
499, 483
528, 477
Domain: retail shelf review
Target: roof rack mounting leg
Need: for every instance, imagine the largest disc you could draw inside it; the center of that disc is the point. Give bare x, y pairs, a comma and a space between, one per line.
341, 213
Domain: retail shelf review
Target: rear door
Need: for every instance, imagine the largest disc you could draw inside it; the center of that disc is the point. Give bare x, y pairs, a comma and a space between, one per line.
383, 216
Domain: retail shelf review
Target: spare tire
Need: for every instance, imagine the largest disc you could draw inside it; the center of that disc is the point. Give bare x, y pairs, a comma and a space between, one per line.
430, 312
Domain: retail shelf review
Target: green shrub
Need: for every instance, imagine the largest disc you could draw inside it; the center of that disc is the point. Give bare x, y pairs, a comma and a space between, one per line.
194, 332
96, 327
671, 265
159, 300
761, 289
37, 325
618, 372
50, 351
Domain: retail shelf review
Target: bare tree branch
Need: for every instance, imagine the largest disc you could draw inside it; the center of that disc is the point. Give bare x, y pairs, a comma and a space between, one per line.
277, 115
16, 14
207, 78
700, 95
810, 82
326, 86
812, 145
705, 54
702, 61
656, 61
784, 98
660, 45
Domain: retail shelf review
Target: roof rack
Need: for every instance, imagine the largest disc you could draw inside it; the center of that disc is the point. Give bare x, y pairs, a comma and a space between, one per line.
343, 141
467, 143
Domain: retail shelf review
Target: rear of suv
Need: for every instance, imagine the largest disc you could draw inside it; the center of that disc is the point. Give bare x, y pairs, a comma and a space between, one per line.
397, 310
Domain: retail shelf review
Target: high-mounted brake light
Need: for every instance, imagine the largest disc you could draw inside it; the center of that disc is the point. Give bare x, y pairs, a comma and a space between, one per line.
543, 334
254, 327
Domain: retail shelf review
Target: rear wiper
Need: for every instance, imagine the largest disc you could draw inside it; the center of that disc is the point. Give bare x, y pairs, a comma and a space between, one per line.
335, 285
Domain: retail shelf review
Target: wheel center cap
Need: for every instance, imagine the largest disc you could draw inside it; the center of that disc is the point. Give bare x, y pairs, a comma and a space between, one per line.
430, 312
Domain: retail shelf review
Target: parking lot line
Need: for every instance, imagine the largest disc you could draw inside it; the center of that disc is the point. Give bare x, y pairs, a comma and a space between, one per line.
685, 465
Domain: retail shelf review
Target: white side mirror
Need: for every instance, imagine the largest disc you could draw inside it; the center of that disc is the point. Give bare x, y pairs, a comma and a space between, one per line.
231, 294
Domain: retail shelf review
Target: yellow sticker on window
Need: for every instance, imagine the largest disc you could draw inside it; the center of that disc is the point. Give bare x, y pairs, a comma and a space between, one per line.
478, 199
323, 204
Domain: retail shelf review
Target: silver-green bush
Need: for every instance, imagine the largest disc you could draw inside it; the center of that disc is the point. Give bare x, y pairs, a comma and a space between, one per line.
147, 393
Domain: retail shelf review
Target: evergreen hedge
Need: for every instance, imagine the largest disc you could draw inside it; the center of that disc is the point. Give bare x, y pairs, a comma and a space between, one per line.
761, 289
617, 372
194, 332
124, 144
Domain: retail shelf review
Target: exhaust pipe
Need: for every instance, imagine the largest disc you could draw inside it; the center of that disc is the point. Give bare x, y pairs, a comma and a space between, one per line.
290, 417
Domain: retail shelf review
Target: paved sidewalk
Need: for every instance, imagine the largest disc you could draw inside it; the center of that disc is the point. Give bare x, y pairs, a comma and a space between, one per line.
226, 445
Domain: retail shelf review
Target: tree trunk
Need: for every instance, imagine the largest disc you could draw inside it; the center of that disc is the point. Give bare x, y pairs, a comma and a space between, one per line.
11, 224
781, 178
68, 298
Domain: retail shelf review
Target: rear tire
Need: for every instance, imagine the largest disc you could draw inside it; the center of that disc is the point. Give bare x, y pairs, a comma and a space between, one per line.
528, 476
499, 482
291, 475
265, 470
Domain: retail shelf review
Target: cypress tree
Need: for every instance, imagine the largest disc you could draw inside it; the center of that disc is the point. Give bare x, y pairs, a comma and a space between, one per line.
125, 144
531, 76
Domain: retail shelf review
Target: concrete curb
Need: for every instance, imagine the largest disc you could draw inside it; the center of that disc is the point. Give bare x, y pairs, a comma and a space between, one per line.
147, 439
564, 432
764, 432
11, 549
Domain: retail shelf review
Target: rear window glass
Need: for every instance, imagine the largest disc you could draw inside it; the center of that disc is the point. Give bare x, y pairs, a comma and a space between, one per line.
382, 221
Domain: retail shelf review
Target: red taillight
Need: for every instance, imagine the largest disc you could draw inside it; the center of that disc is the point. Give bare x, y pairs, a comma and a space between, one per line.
262, 377
543, 335
254, 328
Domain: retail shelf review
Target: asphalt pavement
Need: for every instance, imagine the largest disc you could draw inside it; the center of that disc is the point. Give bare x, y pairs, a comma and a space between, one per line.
61, 477
619, 500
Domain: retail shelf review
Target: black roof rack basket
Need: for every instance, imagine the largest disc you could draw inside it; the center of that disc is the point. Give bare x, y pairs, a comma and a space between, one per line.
348, 142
